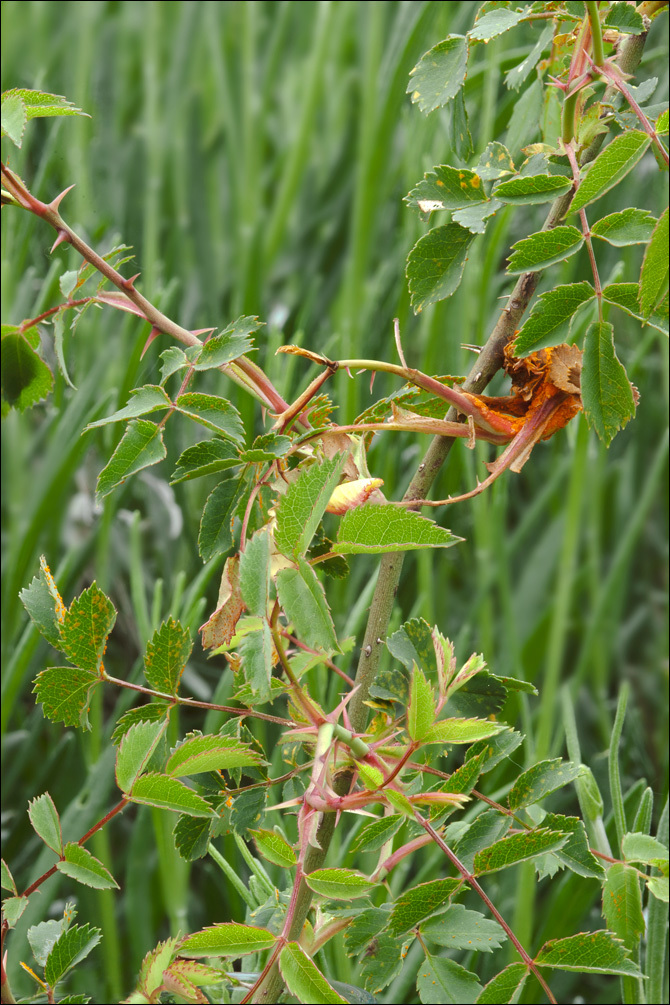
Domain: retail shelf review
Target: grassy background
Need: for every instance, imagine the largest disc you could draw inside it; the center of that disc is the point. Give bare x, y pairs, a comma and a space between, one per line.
256, 155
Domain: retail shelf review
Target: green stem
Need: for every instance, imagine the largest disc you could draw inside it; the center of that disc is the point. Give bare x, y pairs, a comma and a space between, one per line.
596, 32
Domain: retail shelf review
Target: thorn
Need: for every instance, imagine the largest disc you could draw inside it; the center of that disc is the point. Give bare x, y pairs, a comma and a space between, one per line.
398, 344
153, 334
372, 379
55, 203
199, 331
129, 284
62, 236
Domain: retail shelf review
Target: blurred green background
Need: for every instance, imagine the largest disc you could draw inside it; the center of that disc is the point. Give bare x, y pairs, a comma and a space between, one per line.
255, 155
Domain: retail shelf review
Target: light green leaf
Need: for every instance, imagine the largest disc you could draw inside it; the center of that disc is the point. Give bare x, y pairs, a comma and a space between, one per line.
302, 597
439, 74
498, 748
136, 749
255, 573
173, 359
624, 18
474, 217
213, 412
544, 248
7, 878
228, 345
630, 226
143, 713
143, 400
376, 834
44, 604
85, 627
46, 821
589, 952
518, 848
227, 939
210, 753
575, 853
304, 979
495, 22
505, 986
166, 656
41, 104
274, 848
59, 330
495, 162
205, 458
141, 446
531, 189
610, 167
622, 904
13, 908
169, 794
654, 274
25, 379
461, 730
539, 781
65, 694
373, 529
80, 865
550, 318
441, 981
71, 948
606, 390
659, 887
638, 847
267, 448
302, 506
339, 884
421, 708
663, 123
14, 117
447, 187
458, 928
255, 652
216, 534
435, 264
419, 902
370, 775
515, 77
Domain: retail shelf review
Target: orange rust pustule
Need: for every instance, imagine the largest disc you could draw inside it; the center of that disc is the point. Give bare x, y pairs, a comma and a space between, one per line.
535, 379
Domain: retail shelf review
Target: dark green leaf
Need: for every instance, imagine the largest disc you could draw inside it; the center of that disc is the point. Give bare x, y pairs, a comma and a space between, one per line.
624, 18
495, 162
228, 345
474, 217
135, 751
575, 853
71, 948
25, 378
166, 656
413, 643
382, 961
191, 837
216, 533
531, 189
486, 828
213, 412
169, 794
526, 116
141, 446
460, 139
447, 187
622, 904
544, 248
518, 848
303, 977
654, 274
227, 939
435, 264
606, 390
550, 318
505, 986
65, 694
144, 713
267, 448
610, 167
255, 652
85, 627
376, 834
439, 74
44, 604
80, 865
205, 458
588, 952
365, 926
420, 902
539, 781
630, 226
248, 810
143, 400
625, 296
515, 77
255, 573
497, 748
